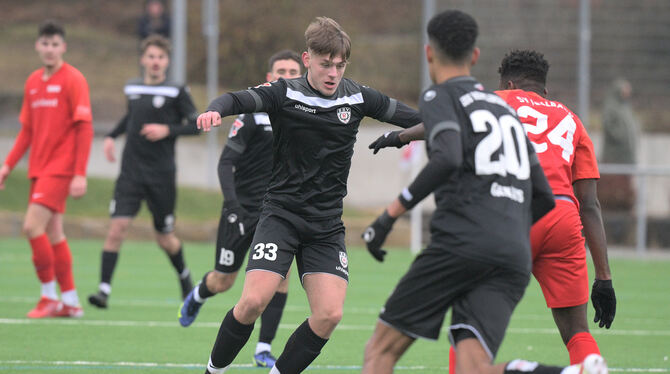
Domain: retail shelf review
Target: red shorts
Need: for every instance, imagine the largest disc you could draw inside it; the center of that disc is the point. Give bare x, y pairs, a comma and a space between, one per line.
50, 191
559, 256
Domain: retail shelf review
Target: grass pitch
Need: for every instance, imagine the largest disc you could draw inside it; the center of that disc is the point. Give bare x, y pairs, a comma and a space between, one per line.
139, 333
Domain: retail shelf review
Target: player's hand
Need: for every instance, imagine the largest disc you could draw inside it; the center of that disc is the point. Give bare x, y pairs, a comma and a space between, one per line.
376, 233
234, 214
155, 131
389, 139
604, 302
108, 149
208, 120
4, 173
78, 186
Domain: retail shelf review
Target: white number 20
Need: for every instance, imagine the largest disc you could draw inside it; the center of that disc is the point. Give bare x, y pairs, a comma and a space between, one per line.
561, 135
506, 133
267, 250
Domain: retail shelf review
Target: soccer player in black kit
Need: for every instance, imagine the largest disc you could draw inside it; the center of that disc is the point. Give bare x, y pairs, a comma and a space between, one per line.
489, 188
158, 112
314, 120
245, 168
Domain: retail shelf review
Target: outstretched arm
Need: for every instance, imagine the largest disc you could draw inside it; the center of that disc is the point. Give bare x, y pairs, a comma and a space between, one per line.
398, 138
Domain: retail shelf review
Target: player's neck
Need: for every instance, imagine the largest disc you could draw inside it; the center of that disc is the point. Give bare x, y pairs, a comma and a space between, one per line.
446, 72
50, 70
154, 79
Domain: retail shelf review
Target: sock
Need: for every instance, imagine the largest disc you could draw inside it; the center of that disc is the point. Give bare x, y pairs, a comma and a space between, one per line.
270, 318
107, 267
204, 292
211, 369
263, 347
63, 266
452, 360
581, 345
70, 298
49, 290
43, 258
274, 370
177, 260
301, 349
230, 340
523, 366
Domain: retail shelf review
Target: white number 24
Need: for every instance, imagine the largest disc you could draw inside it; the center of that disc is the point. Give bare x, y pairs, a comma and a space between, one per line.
561, 135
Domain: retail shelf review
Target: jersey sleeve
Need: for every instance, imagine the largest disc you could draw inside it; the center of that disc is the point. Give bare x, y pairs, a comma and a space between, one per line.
79, 100
585, 165
438, 113
187, 113
241, 132
267, 97
386, 109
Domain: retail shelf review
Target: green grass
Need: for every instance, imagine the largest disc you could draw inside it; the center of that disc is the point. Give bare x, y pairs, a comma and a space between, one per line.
140, 327
192, 203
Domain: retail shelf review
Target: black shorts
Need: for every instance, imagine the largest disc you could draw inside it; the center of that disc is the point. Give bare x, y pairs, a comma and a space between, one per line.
160, 196
482, 297
317, 244
232, 243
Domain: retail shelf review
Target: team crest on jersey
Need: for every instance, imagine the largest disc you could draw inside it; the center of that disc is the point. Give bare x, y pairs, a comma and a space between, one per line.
344, 115
53, 88
343, 259
235, 127
158, 101
429, 95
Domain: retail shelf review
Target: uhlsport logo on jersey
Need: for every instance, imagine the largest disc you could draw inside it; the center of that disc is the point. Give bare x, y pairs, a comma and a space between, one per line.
344, 114
343, 259
158, 101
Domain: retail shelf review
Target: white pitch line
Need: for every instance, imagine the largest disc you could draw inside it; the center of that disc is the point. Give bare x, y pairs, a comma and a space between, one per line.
246, 366
85, 322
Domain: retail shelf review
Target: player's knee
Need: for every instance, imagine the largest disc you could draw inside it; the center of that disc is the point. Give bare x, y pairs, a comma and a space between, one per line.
251, 307
221, 282
32, 230
328, 317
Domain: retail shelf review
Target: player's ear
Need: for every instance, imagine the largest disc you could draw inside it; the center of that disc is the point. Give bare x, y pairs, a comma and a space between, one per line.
305, 59
269, 77
429, 53
475, 56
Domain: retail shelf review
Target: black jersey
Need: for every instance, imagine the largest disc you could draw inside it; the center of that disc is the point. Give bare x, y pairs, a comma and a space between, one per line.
484, 211
251, 138
314, 137
165, 103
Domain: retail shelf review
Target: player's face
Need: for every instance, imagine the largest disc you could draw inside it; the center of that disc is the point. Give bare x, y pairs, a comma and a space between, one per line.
286, 69
155, 62
50, 48
324, 72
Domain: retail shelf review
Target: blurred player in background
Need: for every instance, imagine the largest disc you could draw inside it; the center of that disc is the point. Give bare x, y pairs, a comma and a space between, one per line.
315, 120
568, 159
245, 167
489, 188
158, 112
56, 126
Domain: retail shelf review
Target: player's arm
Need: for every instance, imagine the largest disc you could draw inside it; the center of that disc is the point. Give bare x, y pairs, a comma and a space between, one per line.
398, 138
446, 159
21, 144
263, 98
188, 113
83, 123
602, 293
542, 200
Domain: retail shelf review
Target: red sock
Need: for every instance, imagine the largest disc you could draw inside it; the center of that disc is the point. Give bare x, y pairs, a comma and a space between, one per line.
63, 266
43, 258
452, 360
581, 345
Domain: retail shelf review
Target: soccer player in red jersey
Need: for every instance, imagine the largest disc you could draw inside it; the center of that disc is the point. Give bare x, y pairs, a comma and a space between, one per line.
56, 126
566, 154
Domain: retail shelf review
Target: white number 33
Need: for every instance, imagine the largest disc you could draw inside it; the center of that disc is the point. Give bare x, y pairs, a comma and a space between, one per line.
265, 250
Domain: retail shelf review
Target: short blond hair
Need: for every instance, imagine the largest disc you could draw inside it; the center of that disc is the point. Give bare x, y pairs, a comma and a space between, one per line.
324, 36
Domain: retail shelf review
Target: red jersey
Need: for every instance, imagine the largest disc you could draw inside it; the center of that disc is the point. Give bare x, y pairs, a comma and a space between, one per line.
56, 124
562, 145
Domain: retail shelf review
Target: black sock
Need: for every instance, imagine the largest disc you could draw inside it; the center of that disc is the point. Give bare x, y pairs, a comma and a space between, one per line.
529, 367
300, 350
108, 265
203, 291
271, 316
230, 340
177, 260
